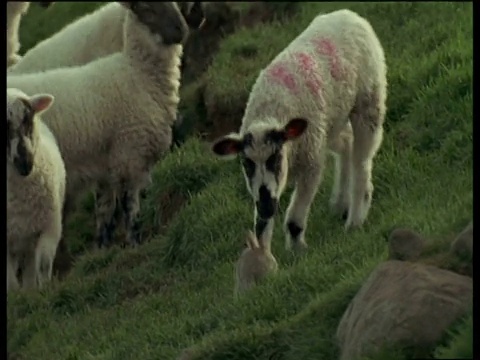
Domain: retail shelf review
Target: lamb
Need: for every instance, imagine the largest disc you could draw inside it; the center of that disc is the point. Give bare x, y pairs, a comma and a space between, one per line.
330, 79
255, 263
35, 190
113, 139
15, 11
91, 37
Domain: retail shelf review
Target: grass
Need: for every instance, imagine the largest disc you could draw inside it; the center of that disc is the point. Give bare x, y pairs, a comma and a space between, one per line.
176, 290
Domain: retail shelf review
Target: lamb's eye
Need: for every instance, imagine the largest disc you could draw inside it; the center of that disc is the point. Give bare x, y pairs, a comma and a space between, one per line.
249, 166
273, 162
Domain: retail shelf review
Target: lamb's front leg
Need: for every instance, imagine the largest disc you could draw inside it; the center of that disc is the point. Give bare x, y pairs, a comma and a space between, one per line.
306, 186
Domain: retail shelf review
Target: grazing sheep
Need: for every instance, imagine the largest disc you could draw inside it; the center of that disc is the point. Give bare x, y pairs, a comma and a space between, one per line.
15, 11
255, 263
35, 190
331, 77
120, 111
91, 37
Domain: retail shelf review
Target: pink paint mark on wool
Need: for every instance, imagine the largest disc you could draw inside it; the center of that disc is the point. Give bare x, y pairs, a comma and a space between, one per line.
308, 66
280, 74
327, 47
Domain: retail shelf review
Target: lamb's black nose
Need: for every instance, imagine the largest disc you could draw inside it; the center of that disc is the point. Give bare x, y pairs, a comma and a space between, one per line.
266, 205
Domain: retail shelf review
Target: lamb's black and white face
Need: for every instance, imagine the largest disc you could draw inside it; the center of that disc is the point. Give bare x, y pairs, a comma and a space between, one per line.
264, 160
167, 19
21, 111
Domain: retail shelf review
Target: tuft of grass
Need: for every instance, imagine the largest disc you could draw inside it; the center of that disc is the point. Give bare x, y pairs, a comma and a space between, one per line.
175, 291
460, 345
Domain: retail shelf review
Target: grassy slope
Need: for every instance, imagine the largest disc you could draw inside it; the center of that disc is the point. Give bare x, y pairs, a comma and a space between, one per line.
176, 291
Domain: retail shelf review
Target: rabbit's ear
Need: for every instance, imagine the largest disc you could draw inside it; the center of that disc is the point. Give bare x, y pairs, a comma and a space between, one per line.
251, 239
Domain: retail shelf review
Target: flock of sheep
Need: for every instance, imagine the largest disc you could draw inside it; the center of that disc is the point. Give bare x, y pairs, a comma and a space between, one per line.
94, 106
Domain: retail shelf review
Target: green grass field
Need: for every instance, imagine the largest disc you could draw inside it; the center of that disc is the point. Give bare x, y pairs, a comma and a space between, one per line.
176, 290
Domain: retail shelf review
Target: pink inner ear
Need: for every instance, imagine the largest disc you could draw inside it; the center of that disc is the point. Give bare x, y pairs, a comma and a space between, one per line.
295, 128
41, 103
232, 147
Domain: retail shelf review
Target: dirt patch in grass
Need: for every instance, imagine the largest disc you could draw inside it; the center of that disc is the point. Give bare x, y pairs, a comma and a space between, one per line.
171, 204
222, 20
202, 44
223, 121
267, 11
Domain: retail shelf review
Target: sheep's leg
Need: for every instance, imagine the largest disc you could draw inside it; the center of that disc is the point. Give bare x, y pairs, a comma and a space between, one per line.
341, 148
367, 123
306, 187
29, 278
45, 254
63, 259
131, 206
105, 205
12, 265
13, 59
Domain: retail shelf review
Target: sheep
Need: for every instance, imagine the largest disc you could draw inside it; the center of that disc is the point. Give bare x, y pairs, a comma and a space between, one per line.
331, 78
255, 263
36, 179
113, 139
15, 11
91, 37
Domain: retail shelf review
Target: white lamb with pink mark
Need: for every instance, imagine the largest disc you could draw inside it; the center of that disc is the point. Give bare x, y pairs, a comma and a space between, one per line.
325, 91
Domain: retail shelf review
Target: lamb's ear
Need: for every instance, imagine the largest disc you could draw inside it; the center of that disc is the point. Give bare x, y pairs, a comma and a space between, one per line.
251, 240
294, 128
41, 102
229, 145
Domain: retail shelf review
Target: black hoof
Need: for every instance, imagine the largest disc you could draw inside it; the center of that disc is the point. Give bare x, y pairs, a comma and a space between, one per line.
345, 215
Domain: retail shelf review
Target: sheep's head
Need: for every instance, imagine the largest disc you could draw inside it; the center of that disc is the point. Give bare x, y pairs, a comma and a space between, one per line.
21, 112
163, 19
264, 160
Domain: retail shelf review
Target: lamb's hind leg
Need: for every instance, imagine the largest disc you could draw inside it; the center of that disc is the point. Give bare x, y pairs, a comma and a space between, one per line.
105, 205
306, 187
341, 148
367, 123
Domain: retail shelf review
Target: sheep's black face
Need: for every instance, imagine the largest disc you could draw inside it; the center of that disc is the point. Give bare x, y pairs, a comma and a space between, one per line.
162, 18
20, 147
